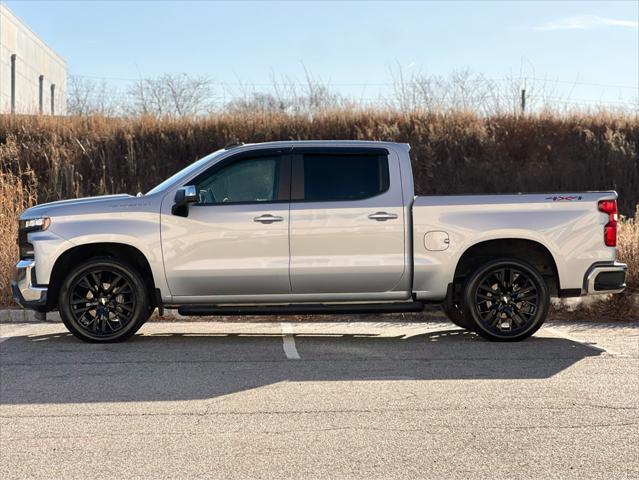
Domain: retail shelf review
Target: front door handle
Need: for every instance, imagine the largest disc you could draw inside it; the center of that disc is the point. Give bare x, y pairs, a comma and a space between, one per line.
382, 216
268, 218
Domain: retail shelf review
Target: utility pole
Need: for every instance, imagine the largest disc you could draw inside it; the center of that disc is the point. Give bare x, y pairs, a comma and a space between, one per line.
523, 100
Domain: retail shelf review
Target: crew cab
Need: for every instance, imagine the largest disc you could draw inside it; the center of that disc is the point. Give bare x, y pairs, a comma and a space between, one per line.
308, 227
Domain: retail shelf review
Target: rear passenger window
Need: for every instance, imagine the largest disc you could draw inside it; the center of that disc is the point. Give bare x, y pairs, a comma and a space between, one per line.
344, 177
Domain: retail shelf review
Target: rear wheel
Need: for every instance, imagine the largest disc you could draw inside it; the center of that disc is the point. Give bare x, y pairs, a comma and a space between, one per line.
103, 300
506, 300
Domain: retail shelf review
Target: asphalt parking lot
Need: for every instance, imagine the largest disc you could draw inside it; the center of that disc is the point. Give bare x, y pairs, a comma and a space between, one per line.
320, 400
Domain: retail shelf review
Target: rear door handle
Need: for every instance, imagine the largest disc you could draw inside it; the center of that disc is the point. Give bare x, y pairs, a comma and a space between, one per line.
382, 216
268, 218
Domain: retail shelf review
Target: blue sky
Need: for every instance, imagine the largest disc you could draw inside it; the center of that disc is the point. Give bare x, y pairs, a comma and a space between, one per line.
346, 43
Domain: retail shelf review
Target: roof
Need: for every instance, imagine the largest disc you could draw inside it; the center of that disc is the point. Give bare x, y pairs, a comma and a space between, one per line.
325, 143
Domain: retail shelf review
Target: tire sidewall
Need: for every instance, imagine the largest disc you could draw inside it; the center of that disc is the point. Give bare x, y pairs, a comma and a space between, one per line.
469, 301
140, 313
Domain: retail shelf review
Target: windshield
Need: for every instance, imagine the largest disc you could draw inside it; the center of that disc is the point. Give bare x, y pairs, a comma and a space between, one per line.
185, 172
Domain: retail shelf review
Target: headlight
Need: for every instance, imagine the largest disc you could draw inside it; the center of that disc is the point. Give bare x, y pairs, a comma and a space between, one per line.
34, 224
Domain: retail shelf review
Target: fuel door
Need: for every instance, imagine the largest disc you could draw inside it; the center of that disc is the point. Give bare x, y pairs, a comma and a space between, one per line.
436, 241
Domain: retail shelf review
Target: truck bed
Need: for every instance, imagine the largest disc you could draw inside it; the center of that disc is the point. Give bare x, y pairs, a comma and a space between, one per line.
568, 225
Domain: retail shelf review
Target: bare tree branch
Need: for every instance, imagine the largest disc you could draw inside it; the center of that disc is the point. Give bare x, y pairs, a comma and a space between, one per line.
170, 95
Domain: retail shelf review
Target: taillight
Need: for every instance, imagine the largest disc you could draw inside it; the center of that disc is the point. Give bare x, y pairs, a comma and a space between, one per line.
610, 230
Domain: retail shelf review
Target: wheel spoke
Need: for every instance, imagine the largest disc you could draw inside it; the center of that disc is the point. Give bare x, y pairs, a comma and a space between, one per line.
124, 307
81, 310
516, 317
85, 281
488, 289
114, 283
508, 278
96, 281
527, 297
524, 291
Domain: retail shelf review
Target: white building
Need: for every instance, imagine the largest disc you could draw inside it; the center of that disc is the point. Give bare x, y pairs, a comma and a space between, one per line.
33, 78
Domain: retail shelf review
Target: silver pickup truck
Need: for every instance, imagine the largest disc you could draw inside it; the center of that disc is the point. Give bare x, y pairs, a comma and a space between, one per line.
313, 227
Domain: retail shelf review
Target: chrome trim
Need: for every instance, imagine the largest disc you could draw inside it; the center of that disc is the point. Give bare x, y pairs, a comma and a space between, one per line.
25, 293
382, 216
595, 270
268, 218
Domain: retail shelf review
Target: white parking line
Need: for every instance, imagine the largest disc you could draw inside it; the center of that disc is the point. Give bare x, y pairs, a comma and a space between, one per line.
289, 342
584, 343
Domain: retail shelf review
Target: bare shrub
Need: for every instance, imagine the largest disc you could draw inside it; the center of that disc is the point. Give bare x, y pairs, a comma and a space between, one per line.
179, 95
286, 96
89, 97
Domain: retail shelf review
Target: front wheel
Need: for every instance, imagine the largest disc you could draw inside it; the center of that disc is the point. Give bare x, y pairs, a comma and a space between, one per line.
507, 300
103, 300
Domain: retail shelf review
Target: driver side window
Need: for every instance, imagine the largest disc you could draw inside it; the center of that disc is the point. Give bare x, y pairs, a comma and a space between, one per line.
248, 180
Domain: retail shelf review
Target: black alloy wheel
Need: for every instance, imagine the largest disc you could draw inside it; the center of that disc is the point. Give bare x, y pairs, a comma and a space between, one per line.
507, 300
103, 300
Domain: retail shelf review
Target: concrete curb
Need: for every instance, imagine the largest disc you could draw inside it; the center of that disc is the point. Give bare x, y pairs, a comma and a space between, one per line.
18, 315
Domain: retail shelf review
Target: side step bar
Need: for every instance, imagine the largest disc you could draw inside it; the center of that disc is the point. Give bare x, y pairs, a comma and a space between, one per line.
301, 308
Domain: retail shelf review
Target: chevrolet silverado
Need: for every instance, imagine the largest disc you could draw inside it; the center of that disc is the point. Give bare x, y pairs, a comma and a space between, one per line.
313, 227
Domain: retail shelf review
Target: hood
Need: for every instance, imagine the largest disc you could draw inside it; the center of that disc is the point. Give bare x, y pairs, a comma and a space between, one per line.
79, 205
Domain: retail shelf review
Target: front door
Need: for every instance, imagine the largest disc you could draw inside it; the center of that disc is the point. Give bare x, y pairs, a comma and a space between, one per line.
347, 221
234, 241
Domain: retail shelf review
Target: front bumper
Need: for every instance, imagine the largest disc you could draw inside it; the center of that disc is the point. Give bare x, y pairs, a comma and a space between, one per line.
25, 289
607, 277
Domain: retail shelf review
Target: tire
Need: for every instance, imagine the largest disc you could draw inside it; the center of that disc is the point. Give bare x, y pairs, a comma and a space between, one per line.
455, 314
104, 300
506, 300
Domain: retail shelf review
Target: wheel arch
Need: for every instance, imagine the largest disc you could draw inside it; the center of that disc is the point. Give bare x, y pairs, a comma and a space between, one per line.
524, 249
120, 251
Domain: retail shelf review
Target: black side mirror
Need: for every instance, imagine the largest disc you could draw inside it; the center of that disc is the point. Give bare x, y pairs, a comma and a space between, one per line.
183, 197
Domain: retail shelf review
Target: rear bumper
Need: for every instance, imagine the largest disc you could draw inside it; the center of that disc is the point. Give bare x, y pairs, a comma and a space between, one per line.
605, 277
25, 290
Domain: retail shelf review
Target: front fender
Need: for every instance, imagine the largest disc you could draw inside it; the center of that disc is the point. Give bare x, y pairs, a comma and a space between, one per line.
140, 230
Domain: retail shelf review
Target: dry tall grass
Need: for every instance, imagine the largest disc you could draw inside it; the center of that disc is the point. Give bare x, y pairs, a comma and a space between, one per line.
628, 250
17, 192
452, 153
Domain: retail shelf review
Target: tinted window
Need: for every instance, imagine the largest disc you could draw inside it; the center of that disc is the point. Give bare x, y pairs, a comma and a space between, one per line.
249, 180
344, 177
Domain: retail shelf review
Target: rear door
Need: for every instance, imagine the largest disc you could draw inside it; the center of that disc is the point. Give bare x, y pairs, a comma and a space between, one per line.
346, 221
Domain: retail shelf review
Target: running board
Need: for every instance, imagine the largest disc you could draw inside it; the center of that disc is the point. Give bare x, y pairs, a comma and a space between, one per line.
301, 308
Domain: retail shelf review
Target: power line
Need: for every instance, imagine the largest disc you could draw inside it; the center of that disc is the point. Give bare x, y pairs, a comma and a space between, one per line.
374, 84
580, 83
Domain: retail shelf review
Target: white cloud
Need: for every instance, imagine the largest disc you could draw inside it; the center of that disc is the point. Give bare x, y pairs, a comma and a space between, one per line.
583, 22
